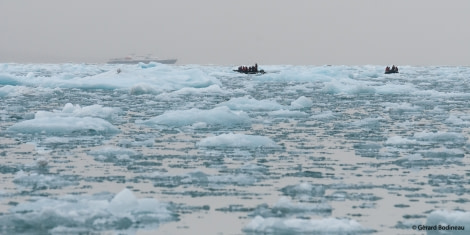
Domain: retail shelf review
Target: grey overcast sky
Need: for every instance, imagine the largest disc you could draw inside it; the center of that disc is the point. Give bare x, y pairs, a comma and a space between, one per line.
224, 32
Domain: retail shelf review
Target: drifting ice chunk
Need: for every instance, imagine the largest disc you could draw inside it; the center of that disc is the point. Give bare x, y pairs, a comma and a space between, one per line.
8, 80
87, 111
324, 116
123, 202
9, 90
287, 114
403, 108
221, 116
159, 77
237, 140
304, 190
112, 153
39, 181
65, 125
398, 140
250, 104
454, 120
200, 178
301, 102
446, 219
285, 207
295, 226
191, 91
71, 119
439, 136
86, 214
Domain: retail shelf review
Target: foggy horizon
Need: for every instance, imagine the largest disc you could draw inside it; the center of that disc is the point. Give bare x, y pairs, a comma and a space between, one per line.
243, 32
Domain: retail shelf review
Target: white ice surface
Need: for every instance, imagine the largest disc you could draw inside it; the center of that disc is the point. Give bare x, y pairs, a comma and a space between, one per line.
305, 226
99, 212
70, 119
237, 140
219, 116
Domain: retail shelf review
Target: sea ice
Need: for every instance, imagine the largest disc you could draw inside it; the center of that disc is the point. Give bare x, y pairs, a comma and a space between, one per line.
304, 191
439, 137
200, 178
286, 208
301, 103
71, 119
216, 117
191, 91
8, 80
250, 104
304, 226
452, 218
37, 181
287, 114
237, 141
112, 153
65, 125
100, 212
202, 134
95, 110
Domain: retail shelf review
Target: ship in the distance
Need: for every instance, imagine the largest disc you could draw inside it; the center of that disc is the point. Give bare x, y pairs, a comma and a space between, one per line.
140, 59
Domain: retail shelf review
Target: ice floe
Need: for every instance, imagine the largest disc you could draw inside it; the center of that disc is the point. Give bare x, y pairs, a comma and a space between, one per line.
304, 226
216, 117
237, 140
71, 119
250, 104
450, 222
37, 181
86, 213
113, 153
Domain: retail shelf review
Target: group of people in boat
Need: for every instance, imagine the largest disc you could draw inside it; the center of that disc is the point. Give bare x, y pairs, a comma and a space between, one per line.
248, 69
254, 69
394, 69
